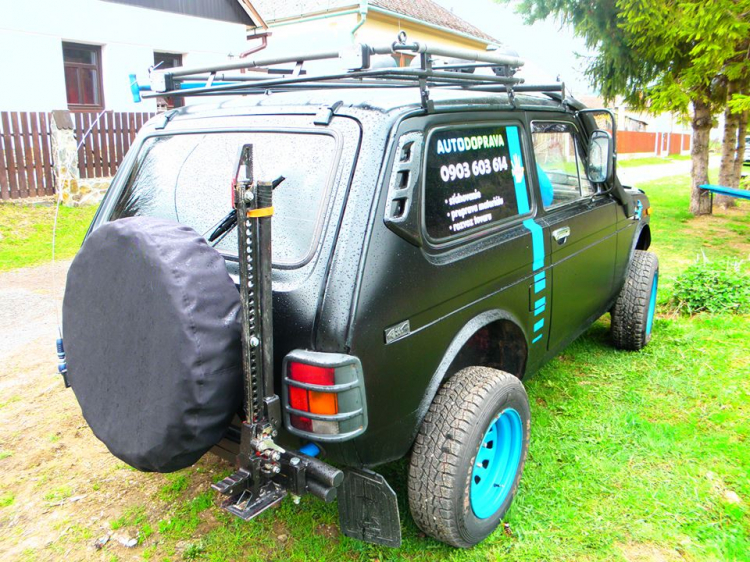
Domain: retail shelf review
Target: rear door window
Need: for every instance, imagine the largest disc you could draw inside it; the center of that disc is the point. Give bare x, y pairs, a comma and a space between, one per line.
475, 178
187, 178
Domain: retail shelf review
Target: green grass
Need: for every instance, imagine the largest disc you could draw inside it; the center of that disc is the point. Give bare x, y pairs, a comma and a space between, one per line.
634, 456
26, 233
6, 500
178, 482
651, 160
133, 517
58, 494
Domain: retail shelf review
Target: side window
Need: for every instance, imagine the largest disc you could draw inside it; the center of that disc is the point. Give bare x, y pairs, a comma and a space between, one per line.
559, 164
474, 179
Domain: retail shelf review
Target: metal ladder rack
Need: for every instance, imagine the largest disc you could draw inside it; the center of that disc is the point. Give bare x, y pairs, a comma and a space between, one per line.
259, 76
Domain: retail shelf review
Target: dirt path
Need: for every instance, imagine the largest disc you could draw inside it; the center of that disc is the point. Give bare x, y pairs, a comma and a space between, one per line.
59, 486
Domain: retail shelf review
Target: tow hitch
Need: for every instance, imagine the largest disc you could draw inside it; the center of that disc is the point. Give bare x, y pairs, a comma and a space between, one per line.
266, 471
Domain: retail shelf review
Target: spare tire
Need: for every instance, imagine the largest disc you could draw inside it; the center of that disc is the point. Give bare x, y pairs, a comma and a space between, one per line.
152, 332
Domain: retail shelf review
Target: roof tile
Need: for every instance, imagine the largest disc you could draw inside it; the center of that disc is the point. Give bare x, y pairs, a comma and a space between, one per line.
424, 10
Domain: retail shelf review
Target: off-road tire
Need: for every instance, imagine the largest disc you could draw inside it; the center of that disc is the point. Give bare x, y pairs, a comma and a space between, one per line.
446, 447
631, 310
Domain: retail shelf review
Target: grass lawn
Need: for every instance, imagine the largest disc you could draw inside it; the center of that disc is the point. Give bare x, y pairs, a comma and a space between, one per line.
634, 456
647, 161
26, 233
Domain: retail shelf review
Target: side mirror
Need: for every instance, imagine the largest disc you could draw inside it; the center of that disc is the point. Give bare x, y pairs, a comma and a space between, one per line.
601, 157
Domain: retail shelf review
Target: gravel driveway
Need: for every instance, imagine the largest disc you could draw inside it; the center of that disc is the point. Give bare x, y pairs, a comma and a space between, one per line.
641, 174
28, 299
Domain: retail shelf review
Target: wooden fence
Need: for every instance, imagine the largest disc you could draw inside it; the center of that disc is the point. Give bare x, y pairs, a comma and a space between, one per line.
25, 155
26, 158
642, 142
108, 140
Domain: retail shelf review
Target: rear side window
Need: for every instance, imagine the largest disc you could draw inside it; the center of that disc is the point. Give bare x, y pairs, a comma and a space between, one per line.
187, 178
475, 178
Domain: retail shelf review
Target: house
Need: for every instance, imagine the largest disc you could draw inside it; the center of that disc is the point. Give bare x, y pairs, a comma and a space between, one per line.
334, 24
78, 54
640, 133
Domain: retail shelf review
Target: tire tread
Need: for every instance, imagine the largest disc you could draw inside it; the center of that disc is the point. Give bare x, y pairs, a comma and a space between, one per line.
434, 478
630, 312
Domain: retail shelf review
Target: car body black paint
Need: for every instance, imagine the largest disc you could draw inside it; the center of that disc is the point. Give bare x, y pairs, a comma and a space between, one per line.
365, 276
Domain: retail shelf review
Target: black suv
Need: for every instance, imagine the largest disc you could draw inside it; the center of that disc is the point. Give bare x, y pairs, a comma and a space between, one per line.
439, 233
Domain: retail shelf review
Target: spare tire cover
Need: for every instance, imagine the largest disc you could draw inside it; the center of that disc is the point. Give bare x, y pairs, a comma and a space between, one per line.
152, 335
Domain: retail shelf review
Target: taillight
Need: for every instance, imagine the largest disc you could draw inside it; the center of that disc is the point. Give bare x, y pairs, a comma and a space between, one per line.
313, 401
324, 395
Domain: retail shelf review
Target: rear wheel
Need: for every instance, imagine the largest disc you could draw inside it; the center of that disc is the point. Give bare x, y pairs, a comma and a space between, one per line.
633, 313
469, 455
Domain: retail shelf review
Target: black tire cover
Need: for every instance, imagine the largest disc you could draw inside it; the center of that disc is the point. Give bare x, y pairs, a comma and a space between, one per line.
151, 325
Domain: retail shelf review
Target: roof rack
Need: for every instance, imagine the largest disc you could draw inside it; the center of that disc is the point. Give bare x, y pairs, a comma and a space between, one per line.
455, 70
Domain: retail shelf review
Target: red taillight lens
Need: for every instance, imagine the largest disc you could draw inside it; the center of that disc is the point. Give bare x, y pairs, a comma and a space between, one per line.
308, 400
312, 374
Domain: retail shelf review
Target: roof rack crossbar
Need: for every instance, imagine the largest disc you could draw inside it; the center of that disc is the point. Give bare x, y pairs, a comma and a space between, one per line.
457, 72
407, 74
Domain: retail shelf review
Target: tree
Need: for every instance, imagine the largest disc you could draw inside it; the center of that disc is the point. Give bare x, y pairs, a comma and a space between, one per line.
737, 76
733, 144
662, 55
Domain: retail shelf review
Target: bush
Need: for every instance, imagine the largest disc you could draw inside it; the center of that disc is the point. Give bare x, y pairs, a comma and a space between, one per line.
712, 287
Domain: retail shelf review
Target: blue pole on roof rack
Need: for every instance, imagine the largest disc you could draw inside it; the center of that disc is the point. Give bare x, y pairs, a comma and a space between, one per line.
136, 88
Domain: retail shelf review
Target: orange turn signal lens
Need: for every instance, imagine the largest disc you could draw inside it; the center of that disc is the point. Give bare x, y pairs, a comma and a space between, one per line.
323, 403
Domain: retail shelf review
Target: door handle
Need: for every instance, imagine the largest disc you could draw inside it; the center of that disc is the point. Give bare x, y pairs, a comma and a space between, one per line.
561, 234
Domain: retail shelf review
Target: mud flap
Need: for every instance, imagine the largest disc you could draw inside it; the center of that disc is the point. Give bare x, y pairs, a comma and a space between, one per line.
368, 509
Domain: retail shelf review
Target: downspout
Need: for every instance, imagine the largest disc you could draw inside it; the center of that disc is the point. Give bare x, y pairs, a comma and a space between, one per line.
362, 17
263, 44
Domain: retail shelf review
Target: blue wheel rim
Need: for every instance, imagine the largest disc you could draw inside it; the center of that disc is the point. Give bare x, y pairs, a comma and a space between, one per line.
496, 464
652, 304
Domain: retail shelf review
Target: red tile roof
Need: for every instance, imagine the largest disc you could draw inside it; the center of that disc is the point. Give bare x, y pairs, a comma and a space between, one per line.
424, 10
430, 12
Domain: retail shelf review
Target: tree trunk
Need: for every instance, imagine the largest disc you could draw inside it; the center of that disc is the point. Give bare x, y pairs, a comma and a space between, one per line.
741, 134
728, 150
700, 202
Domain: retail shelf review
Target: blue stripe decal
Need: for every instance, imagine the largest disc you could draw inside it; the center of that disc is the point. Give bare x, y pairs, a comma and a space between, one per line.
537, 243
536, 339
539, 325
517, 169
540, 276
539, 310
540, 302
539, 286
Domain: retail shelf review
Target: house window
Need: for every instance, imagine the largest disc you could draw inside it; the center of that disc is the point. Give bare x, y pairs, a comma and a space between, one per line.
162, 61
83, 76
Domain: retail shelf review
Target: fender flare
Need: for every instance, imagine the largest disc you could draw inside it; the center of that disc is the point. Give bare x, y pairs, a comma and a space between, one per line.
459, 340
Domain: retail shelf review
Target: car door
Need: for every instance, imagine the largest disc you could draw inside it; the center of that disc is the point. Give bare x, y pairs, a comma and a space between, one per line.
580, 223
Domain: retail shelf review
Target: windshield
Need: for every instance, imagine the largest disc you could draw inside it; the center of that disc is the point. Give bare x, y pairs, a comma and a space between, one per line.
187, 178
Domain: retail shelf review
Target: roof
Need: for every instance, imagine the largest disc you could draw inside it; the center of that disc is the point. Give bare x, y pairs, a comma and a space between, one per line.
426, 11
232, 11
433, 13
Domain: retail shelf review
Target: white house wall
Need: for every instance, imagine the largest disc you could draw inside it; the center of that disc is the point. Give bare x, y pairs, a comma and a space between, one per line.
32, 33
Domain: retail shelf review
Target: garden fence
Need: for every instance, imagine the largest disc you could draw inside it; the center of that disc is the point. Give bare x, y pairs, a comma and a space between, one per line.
27, 158
25, 155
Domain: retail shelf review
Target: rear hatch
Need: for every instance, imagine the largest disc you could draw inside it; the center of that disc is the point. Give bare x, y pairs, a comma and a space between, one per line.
187, 177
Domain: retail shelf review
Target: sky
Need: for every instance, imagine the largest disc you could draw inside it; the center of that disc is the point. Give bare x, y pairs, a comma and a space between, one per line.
548, 48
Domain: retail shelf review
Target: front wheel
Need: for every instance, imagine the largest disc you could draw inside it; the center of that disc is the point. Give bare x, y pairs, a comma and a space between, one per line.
633, 313
469, 455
